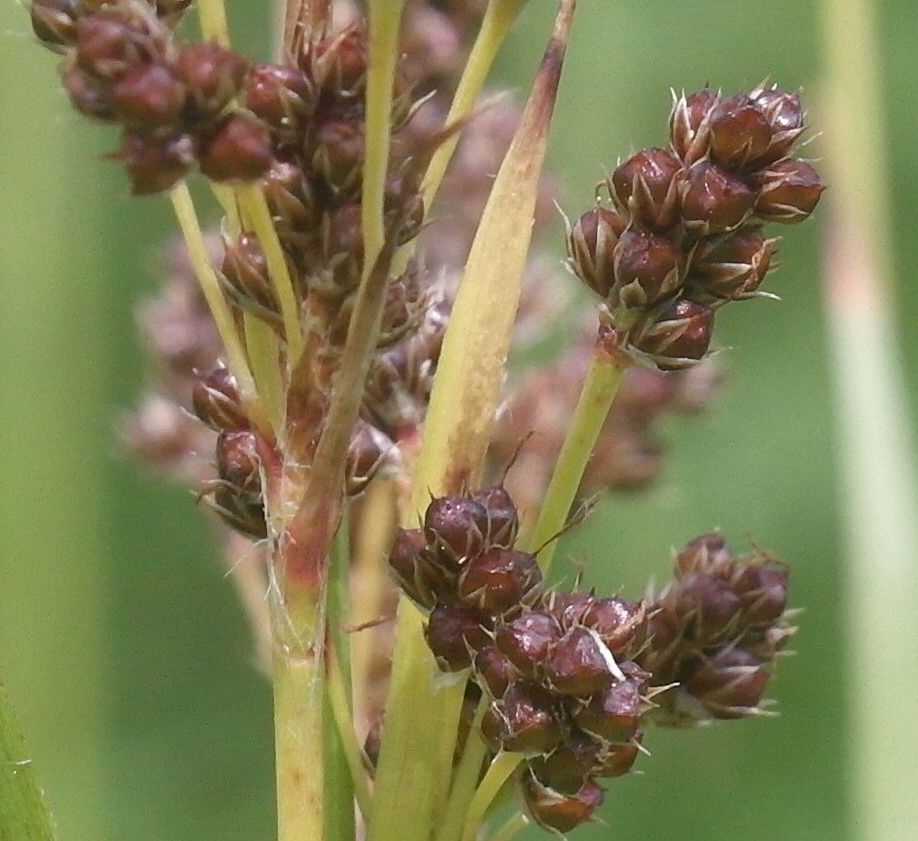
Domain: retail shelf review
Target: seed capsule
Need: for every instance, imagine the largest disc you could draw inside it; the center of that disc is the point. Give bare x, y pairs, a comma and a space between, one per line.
580, 663
527, 641
730, 684
280, 95
213, 76
644, 186
528, 720
503, 521
680, 336
714, 200
495, 670
740, 132
789, 191
560, 812
614, 713
499, 580
456, 526
148, 97
688, 124
591, 248
568, 766
215, 400
734, 268
237, 150
454, 634
155, 164
648, 268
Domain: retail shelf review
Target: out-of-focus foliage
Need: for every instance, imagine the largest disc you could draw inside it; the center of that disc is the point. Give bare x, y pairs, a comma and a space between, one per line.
120, 641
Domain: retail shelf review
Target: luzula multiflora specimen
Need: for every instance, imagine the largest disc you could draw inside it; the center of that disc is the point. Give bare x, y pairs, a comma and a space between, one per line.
564, 684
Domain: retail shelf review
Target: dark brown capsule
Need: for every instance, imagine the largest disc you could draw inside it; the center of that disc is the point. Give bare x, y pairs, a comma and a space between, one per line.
568, 766
788, 191
529, 722
679, 337
494, 669
215, 400
591, 248
740, 132
456, 527
648, 269
784, 113
246, 271
54, 22
213, 76
688, 124
527, 641
454, 634
503, 520
708, 553
238, 463
499, 580
614, 713
729, 684
560, 812
238, 150
714, 200
616, 760
644, 186
762, 588
282, 96
734, 268
580, 663
153, 163
148, 97
616, 621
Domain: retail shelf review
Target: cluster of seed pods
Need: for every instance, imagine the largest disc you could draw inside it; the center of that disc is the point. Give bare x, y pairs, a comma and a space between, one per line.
557, 669
715, 631
684, 233
121, 65
571, 679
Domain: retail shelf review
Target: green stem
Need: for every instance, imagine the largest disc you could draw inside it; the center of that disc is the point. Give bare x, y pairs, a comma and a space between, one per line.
212, 18
183, 206
498, 18
501, 769
513, 826
465, 781
254, 208
880, 475
299, 714
385, 18
339, 788
344, 724
23, 813
599, 389
261, 344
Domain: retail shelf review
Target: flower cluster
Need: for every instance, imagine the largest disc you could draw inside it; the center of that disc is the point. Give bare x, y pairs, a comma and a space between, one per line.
715, 630
121, 65
684, 235
569, 677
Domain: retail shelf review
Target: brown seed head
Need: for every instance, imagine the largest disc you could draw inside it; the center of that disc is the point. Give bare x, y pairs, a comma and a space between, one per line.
591, 248
714, 200
789, 191
644, 187
740, 132
237, 150
148, 97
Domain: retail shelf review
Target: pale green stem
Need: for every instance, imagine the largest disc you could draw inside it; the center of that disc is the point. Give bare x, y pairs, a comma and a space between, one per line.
227, 200
262, 346
598, 392
498, 18
341, 710
254, 208
299, 714
23, 813
501, 769
339, 763
465, 780
385, 18
212, 18
210, 287
880, 477
512, 827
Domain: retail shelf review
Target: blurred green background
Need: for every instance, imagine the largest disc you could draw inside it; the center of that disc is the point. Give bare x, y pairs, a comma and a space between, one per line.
120, 641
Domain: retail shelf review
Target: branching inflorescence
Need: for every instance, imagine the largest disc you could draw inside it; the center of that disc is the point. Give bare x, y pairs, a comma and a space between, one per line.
301, 343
